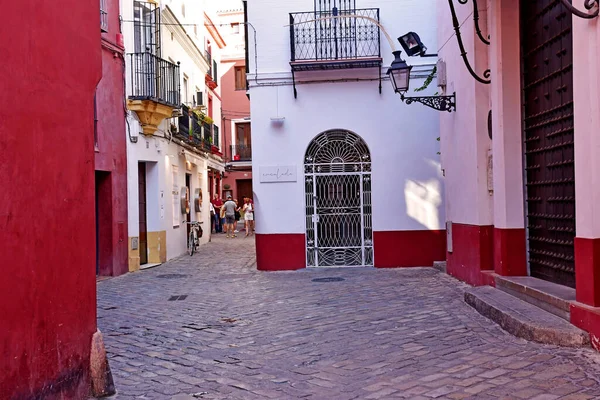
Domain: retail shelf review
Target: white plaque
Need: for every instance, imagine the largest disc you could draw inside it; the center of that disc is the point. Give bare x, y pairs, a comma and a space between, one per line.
281, 173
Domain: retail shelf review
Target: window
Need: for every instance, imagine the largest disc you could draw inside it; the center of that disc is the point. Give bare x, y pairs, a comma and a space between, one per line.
235, 27
185, 89
146, 26
240, 78
216, 136
103, 16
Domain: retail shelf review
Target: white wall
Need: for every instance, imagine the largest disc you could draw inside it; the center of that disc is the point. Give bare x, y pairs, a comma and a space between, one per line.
157, 151
407, 184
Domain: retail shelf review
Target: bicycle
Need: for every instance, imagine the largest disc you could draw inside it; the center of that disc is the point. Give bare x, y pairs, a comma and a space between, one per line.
194, 238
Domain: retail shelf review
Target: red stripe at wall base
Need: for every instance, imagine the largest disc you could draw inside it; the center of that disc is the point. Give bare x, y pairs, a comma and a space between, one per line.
587, 271
472, 253
510, 252
409, 248
280, 252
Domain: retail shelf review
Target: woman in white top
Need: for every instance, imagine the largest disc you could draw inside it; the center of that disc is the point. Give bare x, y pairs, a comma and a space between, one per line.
248, 215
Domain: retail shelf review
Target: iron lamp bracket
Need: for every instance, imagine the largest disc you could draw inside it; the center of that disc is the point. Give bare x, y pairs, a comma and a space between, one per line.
440, 103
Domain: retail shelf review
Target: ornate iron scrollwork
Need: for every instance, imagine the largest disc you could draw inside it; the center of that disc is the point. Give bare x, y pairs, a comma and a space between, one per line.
476, 19
463, 53
440, 103
588, 4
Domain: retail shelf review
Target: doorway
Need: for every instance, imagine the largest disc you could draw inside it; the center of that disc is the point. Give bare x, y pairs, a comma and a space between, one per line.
142, 207
339, 230
243, 189
104, 223
547, 44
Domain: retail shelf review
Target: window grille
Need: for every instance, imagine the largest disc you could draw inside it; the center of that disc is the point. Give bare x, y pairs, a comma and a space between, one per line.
103, 16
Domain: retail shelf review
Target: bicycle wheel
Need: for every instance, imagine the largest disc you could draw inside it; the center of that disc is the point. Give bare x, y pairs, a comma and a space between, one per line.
191, 244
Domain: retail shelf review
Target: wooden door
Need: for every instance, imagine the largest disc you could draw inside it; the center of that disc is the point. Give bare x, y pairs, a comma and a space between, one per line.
244, 189
546, 37
143, 235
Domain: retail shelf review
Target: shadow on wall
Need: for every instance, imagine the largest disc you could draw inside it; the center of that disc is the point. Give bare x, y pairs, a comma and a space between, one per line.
423, 196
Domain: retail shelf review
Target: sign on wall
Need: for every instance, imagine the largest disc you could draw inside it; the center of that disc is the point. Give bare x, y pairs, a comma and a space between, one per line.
280, 173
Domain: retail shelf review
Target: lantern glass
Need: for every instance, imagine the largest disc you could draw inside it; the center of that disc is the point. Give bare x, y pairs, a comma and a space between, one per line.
400, 80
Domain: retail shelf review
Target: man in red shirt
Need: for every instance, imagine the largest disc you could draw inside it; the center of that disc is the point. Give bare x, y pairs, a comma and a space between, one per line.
217, 204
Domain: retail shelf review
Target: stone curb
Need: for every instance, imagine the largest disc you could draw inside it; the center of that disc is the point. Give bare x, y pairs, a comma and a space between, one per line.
482, 300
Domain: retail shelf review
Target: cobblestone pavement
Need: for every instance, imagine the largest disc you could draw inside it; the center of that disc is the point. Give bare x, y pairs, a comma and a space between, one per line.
379, 334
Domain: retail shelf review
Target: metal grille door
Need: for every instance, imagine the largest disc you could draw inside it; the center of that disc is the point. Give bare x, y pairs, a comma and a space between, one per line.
338, 201
549, 149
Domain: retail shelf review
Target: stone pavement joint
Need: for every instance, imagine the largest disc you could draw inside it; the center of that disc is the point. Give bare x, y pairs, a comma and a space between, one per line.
379, 334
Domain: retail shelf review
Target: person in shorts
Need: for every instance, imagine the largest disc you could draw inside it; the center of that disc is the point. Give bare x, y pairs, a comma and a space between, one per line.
230, 209
248, 215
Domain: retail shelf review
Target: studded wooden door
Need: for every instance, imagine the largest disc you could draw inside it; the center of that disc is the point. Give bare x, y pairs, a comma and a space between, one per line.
546, 40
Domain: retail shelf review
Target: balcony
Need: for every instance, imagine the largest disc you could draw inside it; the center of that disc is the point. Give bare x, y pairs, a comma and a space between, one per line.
343, 43
154, 89
211, 75
241, 152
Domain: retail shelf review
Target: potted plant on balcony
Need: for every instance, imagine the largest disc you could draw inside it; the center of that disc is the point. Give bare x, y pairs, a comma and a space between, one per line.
203, 117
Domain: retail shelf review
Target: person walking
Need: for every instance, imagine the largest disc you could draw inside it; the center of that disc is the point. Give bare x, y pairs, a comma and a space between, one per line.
237, 216
248, 216
230, 209
217, 204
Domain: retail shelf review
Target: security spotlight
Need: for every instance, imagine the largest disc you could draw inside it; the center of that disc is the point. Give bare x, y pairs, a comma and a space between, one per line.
412, 45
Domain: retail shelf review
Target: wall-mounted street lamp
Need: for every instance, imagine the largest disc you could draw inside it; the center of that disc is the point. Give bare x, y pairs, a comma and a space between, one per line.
399, 73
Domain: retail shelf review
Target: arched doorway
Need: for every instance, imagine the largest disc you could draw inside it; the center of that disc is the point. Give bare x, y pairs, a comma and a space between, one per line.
339, 231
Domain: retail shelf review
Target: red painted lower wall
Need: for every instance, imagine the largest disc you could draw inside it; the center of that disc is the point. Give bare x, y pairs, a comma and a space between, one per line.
280, 252
48, 283
408, 248
510, 252
587, 271
472, 253
588, 319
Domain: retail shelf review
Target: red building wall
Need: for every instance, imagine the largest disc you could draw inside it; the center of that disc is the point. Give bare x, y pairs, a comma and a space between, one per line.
111, 152
235, 105
50, 68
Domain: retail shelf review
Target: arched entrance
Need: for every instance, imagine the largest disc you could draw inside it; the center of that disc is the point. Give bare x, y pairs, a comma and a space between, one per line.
339, 231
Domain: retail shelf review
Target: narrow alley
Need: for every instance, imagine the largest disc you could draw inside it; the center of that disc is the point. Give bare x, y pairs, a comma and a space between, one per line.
211, 326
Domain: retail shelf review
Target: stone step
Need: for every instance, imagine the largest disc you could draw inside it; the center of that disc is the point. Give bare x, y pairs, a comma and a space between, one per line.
524, 320
440, 266
552, 297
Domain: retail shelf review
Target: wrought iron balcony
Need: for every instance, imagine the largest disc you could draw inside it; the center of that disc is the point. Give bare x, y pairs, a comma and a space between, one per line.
155, 79
335, 39
241, 152
342, 39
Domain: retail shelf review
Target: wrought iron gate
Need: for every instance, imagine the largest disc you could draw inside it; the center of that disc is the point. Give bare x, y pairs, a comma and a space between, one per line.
339, 231
549, 150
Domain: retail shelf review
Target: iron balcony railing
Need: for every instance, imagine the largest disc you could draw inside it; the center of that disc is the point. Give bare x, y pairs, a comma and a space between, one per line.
153, 78
313, 38
241, 152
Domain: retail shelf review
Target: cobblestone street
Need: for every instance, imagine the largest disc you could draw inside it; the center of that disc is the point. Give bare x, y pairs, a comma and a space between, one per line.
212, 327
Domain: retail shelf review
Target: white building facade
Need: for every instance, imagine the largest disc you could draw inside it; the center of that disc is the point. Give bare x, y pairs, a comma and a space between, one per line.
173, 132
344, 173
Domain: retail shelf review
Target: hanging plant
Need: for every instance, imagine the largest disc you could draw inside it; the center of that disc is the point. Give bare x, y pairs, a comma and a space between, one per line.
428, 80
203, 117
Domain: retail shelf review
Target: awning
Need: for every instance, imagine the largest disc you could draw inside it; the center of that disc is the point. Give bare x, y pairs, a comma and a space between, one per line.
215, 165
